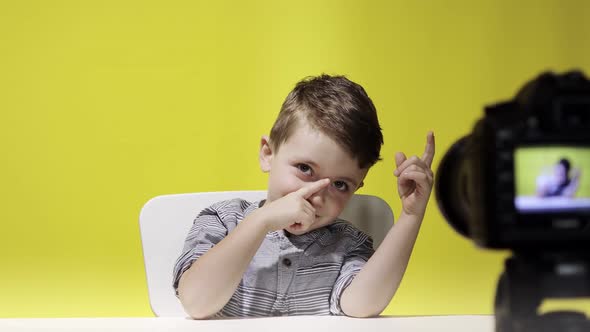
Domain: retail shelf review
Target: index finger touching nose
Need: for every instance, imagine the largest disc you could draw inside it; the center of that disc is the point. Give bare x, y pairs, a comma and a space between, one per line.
428, 155
313, 187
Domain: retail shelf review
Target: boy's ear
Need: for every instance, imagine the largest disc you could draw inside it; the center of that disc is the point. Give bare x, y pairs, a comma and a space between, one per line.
265, 155
362, 184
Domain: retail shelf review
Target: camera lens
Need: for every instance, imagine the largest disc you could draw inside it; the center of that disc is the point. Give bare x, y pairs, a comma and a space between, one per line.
451, 187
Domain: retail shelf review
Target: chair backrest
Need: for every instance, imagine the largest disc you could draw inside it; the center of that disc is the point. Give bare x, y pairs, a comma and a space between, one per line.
164, 222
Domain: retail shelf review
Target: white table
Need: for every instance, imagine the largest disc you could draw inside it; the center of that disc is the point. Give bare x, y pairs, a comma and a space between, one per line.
270, 324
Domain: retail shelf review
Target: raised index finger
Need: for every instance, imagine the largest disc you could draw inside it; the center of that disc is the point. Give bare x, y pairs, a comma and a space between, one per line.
312, 188
428, 155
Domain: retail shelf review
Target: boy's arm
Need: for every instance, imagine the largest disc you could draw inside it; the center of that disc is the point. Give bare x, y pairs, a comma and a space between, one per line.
572, 188
212, 279
374, 286
210, 282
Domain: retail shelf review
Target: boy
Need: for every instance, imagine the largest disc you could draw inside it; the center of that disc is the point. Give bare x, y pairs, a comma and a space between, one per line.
289, 254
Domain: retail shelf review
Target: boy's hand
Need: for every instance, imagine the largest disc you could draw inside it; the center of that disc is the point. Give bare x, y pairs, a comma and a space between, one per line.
293, 208
415, 179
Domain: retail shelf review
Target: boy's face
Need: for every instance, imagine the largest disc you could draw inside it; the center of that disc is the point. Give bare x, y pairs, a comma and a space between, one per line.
307, 156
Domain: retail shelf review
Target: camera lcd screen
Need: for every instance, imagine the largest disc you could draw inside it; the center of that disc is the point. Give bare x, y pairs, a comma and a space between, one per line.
552, 179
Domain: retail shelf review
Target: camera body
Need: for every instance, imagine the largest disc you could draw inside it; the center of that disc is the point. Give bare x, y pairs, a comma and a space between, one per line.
487, 184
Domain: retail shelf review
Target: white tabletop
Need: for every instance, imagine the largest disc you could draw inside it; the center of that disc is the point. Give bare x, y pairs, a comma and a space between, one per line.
270, 324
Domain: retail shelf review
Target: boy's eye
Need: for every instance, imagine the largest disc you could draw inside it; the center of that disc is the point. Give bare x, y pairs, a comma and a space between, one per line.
340, 185
304, 168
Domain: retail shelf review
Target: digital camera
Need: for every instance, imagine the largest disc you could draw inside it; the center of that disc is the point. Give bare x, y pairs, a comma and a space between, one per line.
505, 185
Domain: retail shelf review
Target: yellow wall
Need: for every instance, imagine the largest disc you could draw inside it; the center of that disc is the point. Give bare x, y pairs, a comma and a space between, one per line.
105, 104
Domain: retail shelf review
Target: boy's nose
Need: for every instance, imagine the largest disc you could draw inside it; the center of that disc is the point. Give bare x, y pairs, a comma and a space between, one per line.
318, 198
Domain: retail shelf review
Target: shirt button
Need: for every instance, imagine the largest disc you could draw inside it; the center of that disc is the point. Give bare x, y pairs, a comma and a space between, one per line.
287, 262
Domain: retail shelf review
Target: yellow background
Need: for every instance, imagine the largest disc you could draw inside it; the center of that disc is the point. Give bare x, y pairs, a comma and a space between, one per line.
105, 104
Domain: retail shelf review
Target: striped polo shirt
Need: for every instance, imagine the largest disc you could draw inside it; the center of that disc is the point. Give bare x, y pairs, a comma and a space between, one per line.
289, 274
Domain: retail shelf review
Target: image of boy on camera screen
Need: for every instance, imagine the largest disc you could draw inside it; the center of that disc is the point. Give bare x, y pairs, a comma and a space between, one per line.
563, 181
551, 179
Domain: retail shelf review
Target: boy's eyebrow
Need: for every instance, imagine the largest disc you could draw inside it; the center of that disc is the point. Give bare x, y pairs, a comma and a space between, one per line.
339, 177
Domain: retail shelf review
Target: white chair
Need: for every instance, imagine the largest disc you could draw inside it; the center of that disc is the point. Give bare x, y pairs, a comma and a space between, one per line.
164, 222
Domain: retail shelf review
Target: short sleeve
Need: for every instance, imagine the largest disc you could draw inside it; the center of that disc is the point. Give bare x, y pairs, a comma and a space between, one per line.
352, 265
207, 230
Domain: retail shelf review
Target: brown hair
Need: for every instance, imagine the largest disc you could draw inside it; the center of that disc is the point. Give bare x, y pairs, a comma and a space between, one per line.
340, 109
